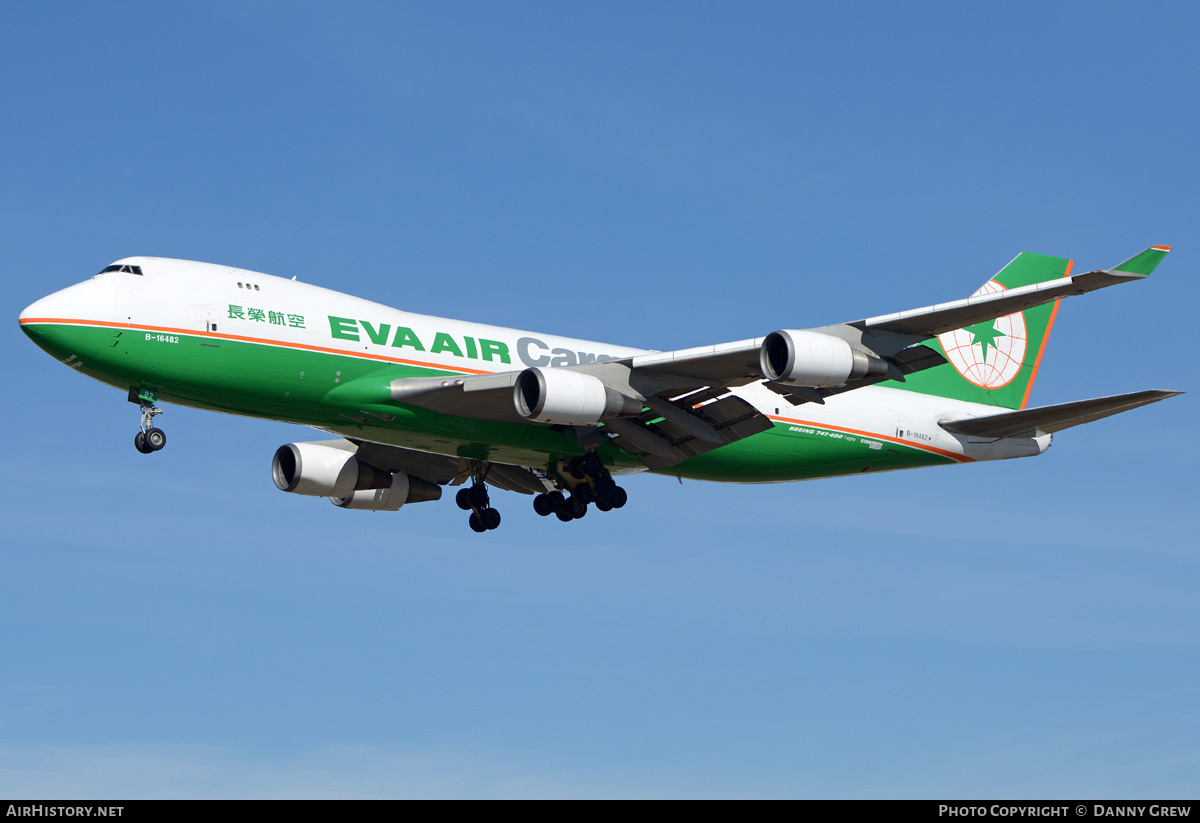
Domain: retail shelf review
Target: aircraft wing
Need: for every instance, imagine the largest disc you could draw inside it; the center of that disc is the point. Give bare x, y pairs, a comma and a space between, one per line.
921, 324
727, 363
476, 396
930, 321
690, 408
708, 415
888, 336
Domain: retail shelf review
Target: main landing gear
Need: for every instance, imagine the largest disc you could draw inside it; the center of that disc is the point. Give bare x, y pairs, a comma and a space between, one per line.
475, 498
596, 486
586, 480
149, 439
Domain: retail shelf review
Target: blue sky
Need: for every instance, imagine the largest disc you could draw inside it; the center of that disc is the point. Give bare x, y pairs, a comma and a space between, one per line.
664, 176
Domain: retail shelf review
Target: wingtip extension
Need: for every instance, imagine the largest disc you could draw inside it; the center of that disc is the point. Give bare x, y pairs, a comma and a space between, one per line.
1141, 265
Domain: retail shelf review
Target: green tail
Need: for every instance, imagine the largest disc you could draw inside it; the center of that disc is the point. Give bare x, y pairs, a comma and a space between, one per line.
996, 362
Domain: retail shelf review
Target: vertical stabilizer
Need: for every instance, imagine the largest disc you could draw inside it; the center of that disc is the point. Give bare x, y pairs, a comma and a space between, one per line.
996, 361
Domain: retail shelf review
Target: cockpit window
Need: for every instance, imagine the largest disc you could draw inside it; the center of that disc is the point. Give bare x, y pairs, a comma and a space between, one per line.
123, 267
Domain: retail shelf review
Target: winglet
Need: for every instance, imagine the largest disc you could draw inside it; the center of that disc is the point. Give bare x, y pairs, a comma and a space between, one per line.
1144, 263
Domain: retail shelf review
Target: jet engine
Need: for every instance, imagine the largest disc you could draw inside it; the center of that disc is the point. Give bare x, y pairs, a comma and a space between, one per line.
810, 358
404, 489
568, 398
323, 470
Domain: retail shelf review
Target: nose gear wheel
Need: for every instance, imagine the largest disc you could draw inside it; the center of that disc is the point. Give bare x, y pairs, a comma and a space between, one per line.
149, 439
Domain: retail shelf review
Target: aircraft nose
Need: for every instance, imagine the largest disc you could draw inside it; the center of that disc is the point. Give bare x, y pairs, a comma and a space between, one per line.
37, 310
35, 322
90, 300
33, 319
58, 322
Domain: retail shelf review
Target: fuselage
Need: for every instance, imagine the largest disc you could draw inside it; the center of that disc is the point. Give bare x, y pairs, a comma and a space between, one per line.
241, 342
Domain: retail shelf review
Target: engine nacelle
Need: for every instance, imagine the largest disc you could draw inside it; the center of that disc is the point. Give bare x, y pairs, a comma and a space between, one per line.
404, 489
568, 398
323, 471
810, 358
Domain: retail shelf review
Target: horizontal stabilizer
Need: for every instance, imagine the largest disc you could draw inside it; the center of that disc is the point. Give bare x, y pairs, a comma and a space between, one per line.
1049, 419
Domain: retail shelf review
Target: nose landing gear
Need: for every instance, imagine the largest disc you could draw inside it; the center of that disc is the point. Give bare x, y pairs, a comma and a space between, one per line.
149, 439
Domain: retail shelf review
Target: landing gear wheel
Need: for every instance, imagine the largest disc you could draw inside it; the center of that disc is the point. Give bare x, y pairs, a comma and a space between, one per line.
154, 439
547, 504
590, 465
477, 496
618, 498
603, 505
564, 516
585, 493
575, 468
576, 507
604, 487
149, 439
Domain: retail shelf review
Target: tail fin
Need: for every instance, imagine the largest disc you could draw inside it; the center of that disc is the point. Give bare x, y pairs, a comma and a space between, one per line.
996, 362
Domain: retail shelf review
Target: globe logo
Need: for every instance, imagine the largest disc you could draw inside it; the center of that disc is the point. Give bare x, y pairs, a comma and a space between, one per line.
989, 354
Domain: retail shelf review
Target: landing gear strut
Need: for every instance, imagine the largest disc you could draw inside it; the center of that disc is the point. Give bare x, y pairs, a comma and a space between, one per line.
475, 498
149, 439
597, 487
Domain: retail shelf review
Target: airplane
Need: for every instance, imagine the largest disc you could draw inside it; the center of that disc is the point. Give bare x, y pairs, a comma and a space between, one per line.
415, 402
